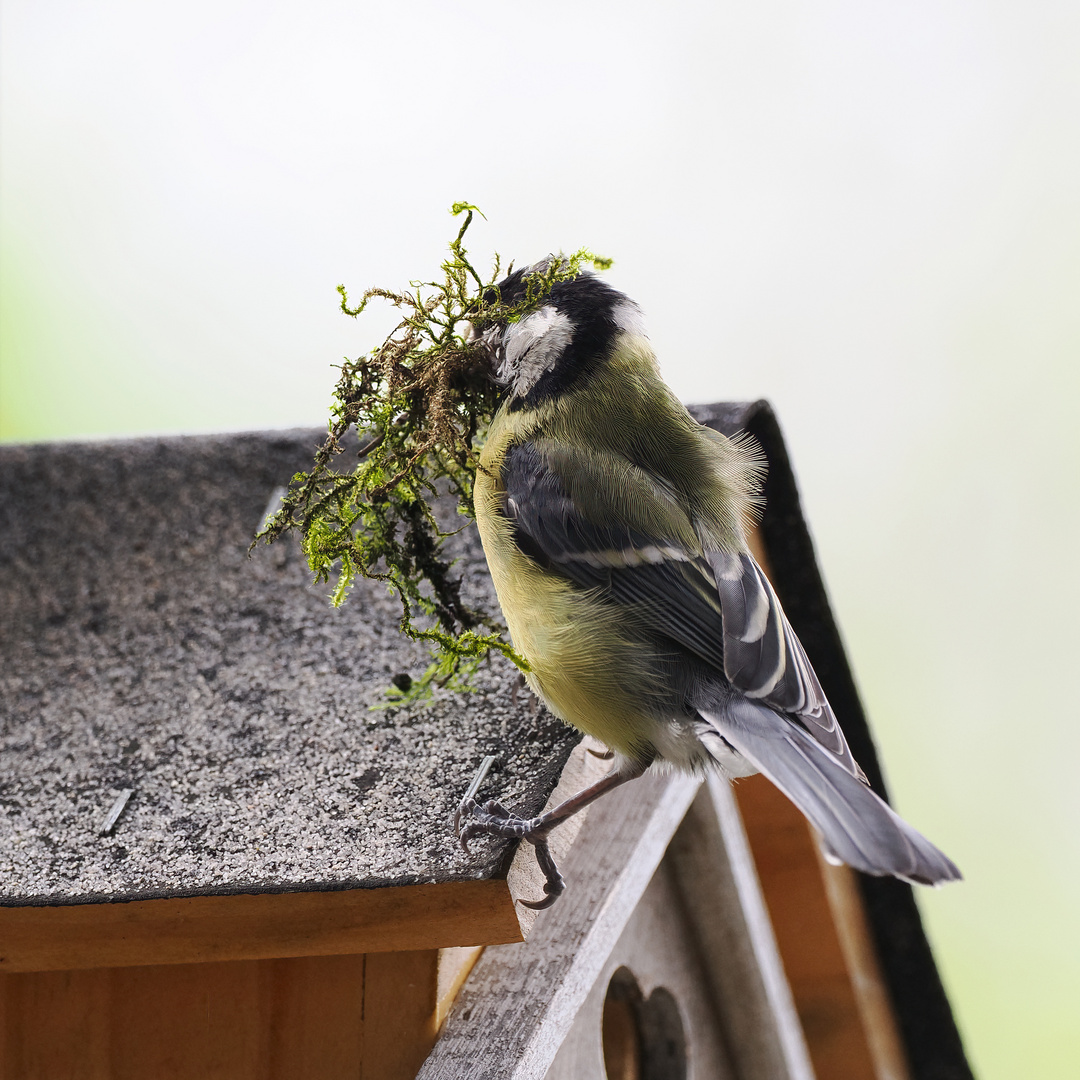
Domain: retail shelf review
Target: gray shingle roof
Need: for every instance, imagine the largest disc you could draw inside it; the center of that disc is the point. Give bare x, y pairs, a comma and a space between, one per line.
141, 648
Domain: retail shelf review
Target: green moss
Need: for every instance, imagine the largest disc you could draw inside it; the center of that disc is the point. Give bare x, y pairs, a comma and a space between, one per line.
421, 403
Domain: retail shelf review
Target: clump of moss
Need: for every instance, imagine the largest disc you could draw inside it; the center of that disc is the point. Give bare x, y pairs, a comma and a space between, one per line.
420, 403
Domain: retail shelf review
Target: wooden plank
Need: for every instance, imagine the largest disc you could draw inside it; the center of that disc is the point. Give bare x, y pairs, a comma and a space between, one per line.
521, 1000
55, 1025
826, 998
203, 929
295, 1019
720, 891
860, 955
455, 966
618, 1039
313, 1009
583, 767
185, 1021
400, 1013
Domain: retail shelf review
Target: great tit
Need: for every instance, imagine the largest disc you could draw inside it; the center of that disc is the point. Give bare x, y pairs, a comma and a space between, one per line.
614, 527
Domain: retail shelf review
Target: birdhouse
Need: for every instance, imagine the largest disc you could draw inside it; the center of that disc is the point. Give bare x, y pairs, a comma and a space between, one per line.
227, 853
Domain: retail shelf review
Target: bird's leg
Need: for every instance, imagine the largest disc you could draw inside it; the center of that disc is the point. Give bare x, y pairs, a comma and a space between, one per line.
493, 819
518, 683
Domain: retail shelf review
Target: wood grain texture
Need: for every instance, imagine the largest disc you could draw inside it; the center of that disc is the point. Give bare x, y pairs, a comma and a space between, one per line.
204, 929
296, 1019
521, 1000
313, 1007
660, 950
720, 891
56, 1024
785, 853
400, 1005
860, 955
455, 966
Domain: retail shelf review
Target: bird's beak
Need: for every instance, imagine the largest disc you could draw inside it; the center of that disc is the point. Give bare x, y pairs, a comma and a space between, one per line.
489, 343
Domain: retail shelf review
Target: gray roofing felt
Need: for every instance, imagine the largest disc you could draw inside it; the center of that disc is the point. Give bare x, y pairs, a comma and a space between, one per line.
141, 648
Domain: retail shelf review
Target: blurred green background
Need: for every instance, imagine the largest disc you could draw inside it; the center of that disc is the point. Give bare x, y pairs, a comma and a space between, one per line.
867, 212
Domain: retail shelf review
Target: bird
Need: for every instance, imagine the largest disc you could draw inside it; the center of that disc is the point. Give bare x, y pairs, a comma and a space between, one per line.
615, 530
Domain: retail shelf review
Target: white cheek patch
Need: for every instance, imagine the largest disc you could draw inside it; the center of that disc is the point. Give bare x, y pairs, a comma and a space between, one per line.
628, 316
531, 347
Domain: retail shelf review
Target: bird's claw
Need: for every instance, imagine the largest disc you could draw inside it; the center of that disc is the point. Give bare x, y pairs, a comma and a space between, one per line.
486, 819
493, 819
554, 885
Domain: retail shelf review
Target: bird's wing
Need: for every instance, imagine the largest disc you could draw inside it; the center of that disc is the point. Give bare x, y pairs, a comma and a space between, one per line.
640, 550
763, 656
604, 523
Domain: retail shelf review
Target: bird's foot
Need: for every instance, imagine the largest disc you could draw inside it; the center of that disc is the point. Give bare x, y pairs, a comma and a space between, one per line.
493, 819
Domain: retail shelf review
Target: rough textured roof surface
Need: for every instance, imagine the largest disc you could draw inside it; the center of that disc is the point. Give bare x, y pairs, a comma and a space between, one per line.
140, 647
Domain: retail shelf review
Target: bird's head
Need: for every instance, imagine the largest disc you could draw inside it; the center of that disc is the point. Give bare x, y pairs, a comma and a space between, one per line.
569, 334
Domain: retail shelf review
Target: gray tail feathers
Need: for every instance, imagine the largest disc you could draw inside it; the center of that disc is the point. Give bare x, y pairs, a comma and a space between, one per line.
856, 826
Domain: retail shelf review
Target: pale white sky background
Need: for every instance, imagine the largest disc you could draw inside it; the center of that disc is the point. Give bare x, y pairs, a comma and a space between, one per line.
868, 212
